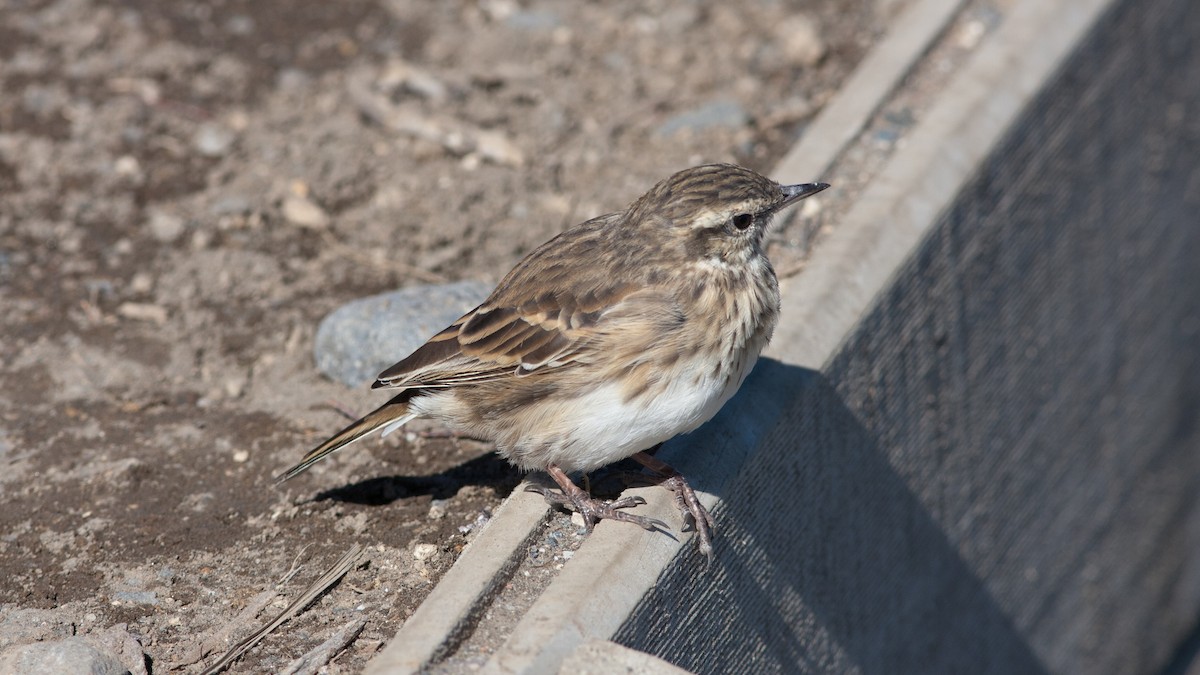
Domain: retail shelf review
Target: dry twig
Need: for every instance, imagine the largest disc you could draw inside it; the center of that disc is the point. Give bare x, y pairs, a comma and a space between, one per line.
311, 662
314, 591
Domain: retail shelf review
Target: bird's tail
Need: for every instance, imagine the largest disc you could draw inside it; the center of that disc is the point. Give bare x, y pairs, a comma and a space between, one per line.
392, 415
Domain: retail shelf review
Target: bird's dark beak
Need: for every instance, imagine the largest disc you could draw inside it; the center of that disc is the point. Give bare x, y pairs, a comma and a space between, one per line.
794, 193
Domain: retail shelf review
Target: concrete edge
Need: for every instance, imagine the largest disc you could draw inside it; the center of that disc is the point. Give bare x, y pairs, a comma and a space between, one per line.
449, 613
875, 78
439, 624
825, 301
604, 582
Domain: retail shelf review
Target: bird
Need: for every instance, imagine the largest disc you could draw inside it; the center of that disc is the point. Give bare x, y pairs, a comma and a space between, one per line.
609, 339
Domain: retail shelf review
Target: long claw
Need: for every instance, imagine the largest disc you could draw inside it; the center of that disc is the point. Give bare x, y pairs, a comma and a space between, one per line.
692, 511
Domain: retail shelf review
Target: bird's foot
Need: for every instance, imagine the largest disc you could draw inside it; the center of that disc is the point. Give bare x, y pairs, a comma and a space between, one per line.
592, 509
689, 505
693, 511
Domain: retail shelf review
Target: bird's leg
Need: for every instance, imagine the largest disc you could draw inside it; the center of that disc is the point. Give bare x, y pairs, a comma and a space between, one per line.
685, 498
589, 507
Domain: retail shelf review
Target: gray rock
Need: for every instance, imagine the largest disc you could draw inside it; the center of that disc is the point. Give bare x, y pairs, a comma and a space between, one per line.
719, 113
72, 656
23, 626
359, 340
119, 643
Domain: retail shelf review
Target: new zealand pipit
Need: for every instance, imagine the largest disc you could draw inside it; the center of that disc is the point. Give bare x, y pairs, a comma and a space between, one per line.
607, 340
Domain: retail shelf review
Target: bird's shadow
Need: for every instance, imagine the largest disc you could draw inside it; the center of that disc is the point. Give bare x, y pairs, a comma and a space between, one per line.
487, 470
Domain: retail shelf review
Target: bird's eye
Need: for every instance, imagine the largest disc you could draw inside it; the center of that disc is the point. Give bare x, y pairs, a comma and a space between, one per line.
742, 220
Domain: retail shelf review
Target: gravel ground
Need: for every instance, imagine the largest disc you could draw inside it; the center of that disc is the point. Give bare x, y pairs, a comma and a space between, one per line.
186, 189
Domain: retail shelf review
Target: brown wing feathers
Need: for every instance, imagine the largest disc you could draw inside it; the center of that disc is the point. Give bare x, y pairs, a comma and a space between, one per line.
490, 341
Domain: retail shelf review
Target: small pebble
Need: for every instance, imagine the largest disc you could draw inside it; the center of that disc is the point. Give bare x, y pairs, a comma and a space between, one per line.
240, 24
437, 509
127, 165
201, 239
537, 556
213, 140
425, 85
810, 208
229, 205
424, 551
494, 146
234, 386
241, 456
800, 39
165, 227
141, 311
292, 79
499, 10
141, 283
971, 33
99, 288
304, 213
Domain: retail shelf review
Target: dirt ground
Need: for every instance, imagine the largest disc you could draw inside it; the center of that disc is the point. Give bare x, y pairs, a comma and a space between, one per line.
186, 189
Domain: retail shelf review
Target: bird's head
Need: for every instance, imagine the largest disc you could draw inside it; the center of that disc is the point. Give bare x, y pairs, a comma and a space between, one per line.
717, 212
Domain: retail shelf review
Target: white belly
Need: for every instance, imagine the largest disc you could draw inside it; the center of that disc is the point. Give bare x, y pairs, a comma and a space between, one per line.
602, 427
